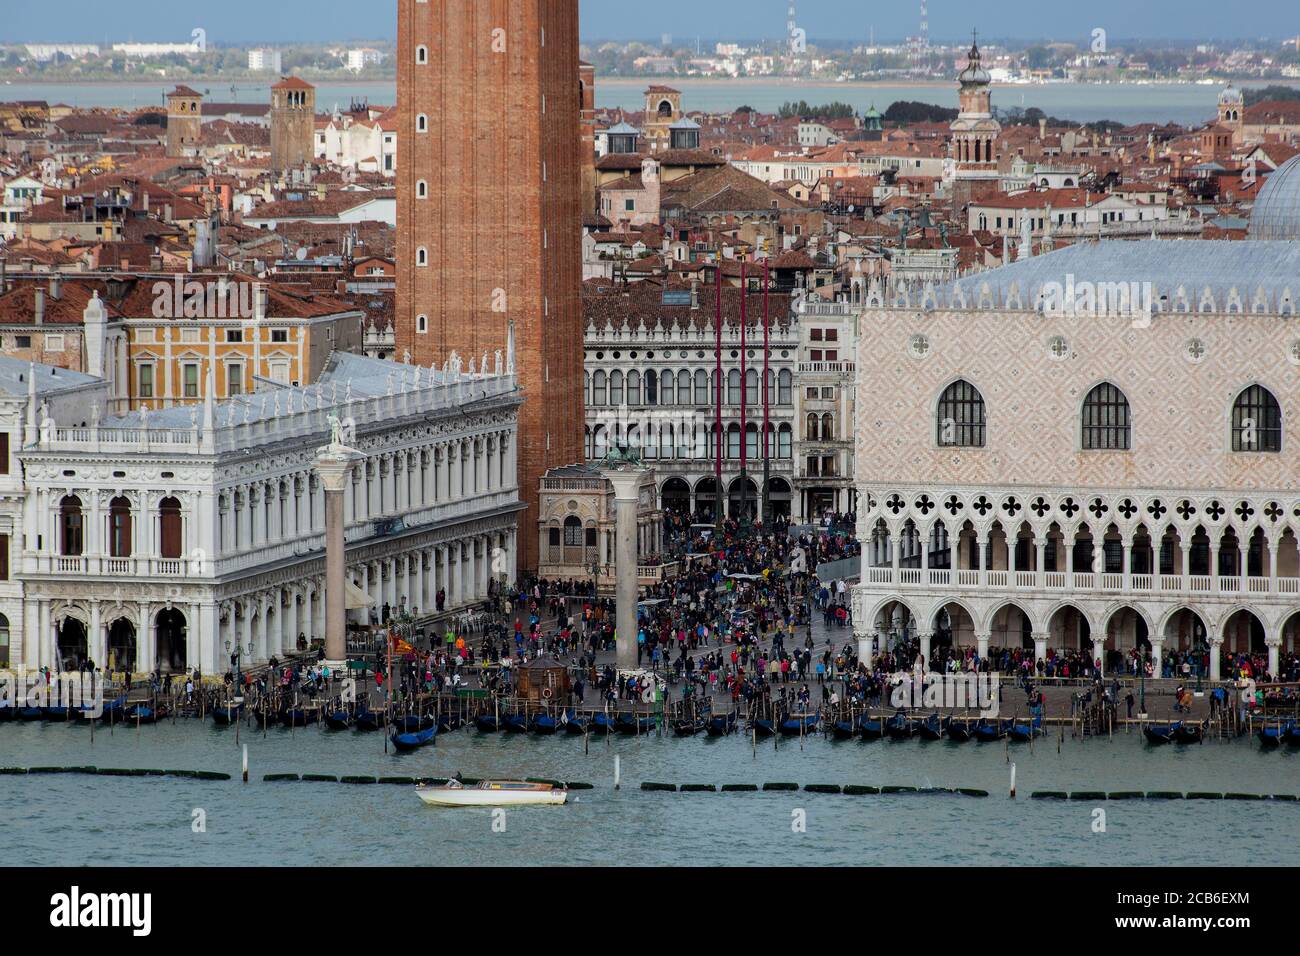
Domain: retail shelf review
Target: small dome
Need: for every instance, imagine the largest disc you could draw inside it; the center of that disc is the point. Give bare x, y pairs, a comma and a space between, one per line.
1276, 214
974, 74
1231, 96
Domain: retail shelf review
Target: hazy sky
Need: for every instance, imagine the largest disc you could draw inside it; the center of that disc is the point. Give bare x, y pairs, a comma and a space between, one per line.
236, 21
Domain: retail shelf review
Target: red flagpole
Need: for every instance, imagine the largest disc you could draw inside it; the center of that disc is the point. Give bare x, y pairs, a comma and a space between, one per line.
767, 452
717, 350
744, 394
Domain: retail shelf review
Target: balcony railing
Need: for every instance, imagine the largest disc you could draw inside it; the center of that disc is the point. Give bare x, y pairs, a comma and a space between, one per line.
1080, 580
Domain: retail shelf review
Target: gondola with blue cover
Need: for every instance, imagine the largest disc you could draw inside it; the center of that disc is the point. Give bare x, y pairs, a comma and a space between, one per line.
1163, 733
603, 723
56, 712
487, 723
844, 729
1022, 731
368, 719
517, 723
627, 724
961, 729
30, 713
406, 742
689, 727
796, 725
989, 730
142, 713
721, 724
764, 727
338, 720
1293, 735
871, 728
1273, 736
227, 715
297, 717
901, 727
545, 725
413, 723
7, 711
931, 728
1190, 732
574, 723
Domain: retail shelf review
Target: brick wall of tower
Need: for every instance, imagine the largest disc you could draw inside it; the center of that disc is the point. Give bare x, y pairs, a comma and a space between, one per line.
587, 157
501, 223
293, 129
184, 124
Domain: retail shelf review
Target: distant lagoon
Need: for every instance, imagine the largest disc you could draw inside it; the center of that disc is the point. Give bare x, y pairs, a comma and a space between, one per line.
1186, 104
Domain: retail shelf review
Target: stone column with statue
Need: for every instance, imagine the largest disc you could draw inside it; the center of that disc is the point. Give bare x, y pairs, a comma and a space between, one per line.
334, 465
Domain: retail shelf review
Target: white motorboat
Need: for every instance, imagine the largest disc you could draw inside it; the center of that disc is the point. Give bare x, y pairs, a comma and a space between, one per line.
491, 793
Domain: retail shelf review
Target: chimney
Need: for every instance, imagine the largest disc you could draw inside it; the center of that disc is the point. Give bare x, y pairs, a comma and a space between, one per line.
56, 287
40, 306
695, 294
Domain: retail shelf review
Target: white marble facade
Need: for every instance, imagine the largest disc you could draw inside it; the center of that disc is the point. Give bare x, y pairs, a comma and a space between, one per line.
169, 539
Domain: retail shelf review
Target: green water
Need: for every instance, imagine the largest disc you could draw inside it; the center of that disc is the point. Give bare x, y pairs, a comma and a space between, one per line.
73, 820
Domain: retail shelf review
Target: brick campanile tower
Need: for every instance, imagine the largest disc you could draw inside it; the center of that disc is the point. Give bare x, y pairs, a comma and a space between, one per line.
293, 123
489, 208
184, 121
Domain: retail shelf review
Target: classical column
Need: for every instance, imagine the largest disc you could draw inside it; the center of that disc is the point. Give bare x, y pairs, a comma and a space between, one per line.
96, 645
1273, 644
1157, 654
1040, 647
982, 646
1216, 646
627, 494
334, 464
925, 651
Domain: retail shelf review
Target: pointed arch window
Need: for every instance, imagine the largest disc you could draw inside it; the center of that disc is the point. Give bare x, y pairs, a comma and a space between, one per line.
1107, 420
961, 416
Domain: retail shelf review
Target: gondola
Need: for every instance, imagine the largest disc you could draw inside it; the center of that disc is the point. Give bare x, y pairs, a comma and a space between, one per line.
487, 723
844, 729
688, 728
871, 728
56, 712
407, 742
1022, 731
1193, 733
368, 720
450, 722
575, 724
764, 727
962, 729
1293, 735
413, 723
626, 724
225, 716
1273, 736
931, 728
545, 725
1162, 735
988, 731
113, 710
143, 714
338, 720
795, 726
721, 724
603, 722
517, 723
297, 717
900, 727
7, 712
30, 713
